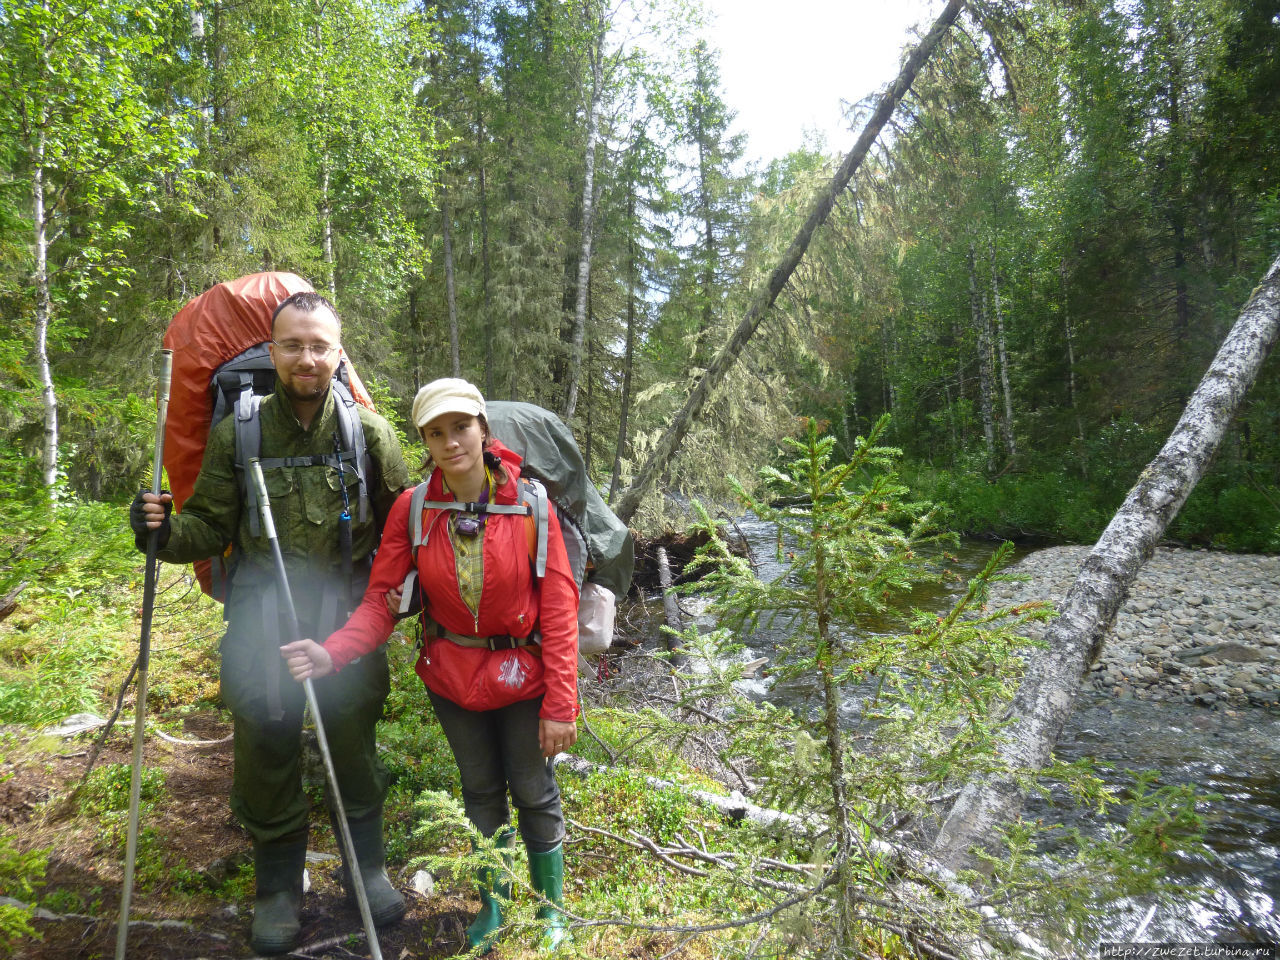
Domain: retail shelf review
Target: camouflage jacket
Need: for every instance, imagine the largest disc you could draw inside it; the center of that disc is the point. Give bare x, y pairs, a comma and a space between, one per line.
306, 501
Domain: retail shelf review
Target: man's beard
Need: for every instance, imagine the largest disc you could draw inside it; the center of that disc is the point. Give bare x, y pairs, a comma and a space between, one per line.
301, 397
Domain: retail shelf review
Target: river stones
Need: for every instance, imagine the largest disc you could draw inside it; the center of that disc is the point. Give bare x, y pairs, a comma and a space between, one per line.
1199, 626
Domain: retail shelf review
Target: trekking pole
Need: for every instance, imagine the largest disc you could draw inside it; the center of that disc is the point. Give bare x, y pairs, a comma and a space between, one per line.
144, 655
295, 633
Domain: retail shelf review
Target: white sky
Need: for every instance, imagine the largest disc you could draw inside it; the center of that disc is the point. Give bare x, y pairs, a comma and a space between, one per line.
785, 65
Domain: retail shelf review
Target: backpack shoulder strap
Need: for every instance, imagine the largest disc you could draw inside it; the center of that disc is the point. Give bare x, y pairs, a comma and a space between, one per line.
416, 505
352, 432
248, 446
534, 494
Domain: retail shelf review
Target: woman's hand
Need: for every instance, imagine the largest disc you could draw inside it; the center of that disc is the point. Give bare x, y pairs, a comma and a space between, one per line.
307, 659
393, 601
556, 736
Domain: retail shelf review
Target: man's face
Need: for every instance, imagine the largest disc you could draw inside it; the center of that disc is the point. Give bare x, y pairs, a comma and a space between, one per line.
304, 376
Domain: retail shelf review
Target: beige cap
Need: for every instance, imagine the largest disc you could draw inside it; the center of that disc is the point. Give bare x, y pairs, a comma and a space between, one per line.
447, 395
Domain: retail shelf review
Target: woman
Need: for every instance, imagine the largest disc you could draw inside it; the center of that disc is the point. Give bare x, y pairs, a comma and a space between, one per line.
501, 665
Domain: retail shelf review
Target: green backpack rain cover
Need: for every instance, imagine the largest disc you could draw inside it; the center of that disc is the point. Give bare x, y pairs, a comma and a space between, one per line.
551, 455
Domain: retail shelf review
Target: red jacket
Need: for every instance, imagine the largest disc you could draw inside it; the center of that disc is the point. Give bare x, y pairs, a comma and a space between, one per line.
512, 601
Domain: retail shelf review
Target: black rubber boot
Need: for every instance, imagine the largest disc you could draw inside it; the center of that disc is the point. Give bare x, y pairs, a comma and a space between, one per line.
278, 866
386, 905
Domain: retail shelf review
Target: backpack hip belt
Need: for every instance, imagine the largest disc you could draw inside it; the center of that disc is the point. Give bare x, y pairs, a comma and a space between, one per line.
502, 641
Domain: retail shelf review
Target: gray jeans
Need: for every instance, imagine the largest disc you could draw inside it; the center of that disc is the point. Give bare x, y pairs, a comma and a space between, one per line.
497, 751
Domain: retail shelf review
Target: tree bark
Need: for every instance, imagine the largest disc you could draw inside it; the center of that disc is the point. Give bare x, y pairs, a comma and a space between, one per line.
416, 328
486, 318
986, 384
1010, 443
624, 413
670, 611
1048, 692
670, 441
44, 315
450, 297
588, 207
1070, 334
326, 226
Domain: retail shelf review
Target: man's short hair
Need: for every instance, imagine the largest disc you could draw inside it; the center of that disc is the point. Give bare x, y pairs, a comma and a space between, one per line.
306, 301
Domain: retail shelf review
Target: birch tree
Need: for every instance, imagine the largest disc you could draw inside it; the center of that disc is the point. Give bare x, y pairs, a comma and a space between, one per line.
1002, 351
71, 103
986, 385
1045, 699
596, 16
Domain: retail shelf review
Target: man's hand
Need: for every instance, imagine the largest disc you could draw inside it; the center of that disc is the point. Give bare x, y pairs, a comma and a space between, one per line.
556, 736
150, 512
307, 659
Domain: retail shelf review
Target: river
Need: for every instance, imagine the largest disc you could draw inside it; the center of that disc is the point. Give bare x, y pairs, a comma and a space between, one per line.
1230, 894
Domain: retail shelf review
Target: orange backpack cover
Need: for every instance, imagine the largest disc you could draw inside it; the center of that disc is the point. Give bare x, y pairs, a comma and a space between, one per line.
211, 329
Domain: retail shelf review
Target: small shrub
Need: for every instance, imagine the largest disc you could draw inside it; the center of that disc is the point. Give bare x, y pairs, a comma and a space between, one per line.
21, 874
107, 789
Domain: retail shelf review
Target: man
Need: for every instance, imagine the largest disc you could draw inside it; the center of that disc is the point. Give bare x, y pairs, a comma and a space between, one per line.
299, 424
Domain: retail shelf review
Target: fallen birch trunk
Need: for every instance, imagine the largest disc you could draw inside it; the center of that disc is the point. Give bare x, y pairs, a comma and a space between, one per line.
1074, 640
739, 809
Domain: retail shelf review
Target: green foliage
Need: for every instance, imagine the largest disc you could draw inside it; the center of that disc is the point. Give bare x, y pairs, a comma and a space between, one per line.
69, 556
1231, 508
621, 799
21, 876
104, 802
107, 789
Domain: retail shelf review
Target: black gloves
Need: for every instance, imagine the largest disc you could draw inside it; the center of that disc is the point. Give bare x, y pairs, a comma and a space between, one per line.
138, 522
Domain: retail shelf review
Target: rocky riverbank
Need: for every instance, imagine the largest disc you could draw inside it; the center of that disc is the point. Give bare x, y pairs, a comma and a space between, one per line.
1199, 626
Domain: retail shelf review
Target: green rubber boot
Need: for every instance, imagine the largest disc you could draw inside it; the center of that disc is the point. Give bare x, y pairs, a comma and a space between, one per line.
278, 867
386, 905
546, 871
495, 890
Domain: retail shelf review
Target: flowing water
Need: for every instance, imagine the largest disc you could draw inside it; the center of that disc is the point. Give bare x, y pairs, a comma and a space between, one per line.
1231, 894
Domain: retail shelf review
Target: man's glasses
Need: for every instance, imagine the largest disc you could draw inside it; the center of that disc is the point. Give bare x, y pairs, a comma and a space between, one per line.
292, 350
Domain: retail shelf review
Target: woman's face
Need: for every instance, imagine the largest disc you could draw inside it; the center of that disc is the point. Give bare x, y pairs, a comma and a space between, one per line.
456, 444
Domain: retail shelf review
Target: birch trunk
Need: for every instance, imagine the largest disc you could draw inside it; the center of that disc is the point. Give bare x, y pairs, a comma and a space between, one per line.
768, 292
951, 420
416, 328
451, 299
326, 226
44, 314
1048, 692
1010, 443
486, 319
624, 413
1069, 332
589, 433
986, 386
738, 809
584, 258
